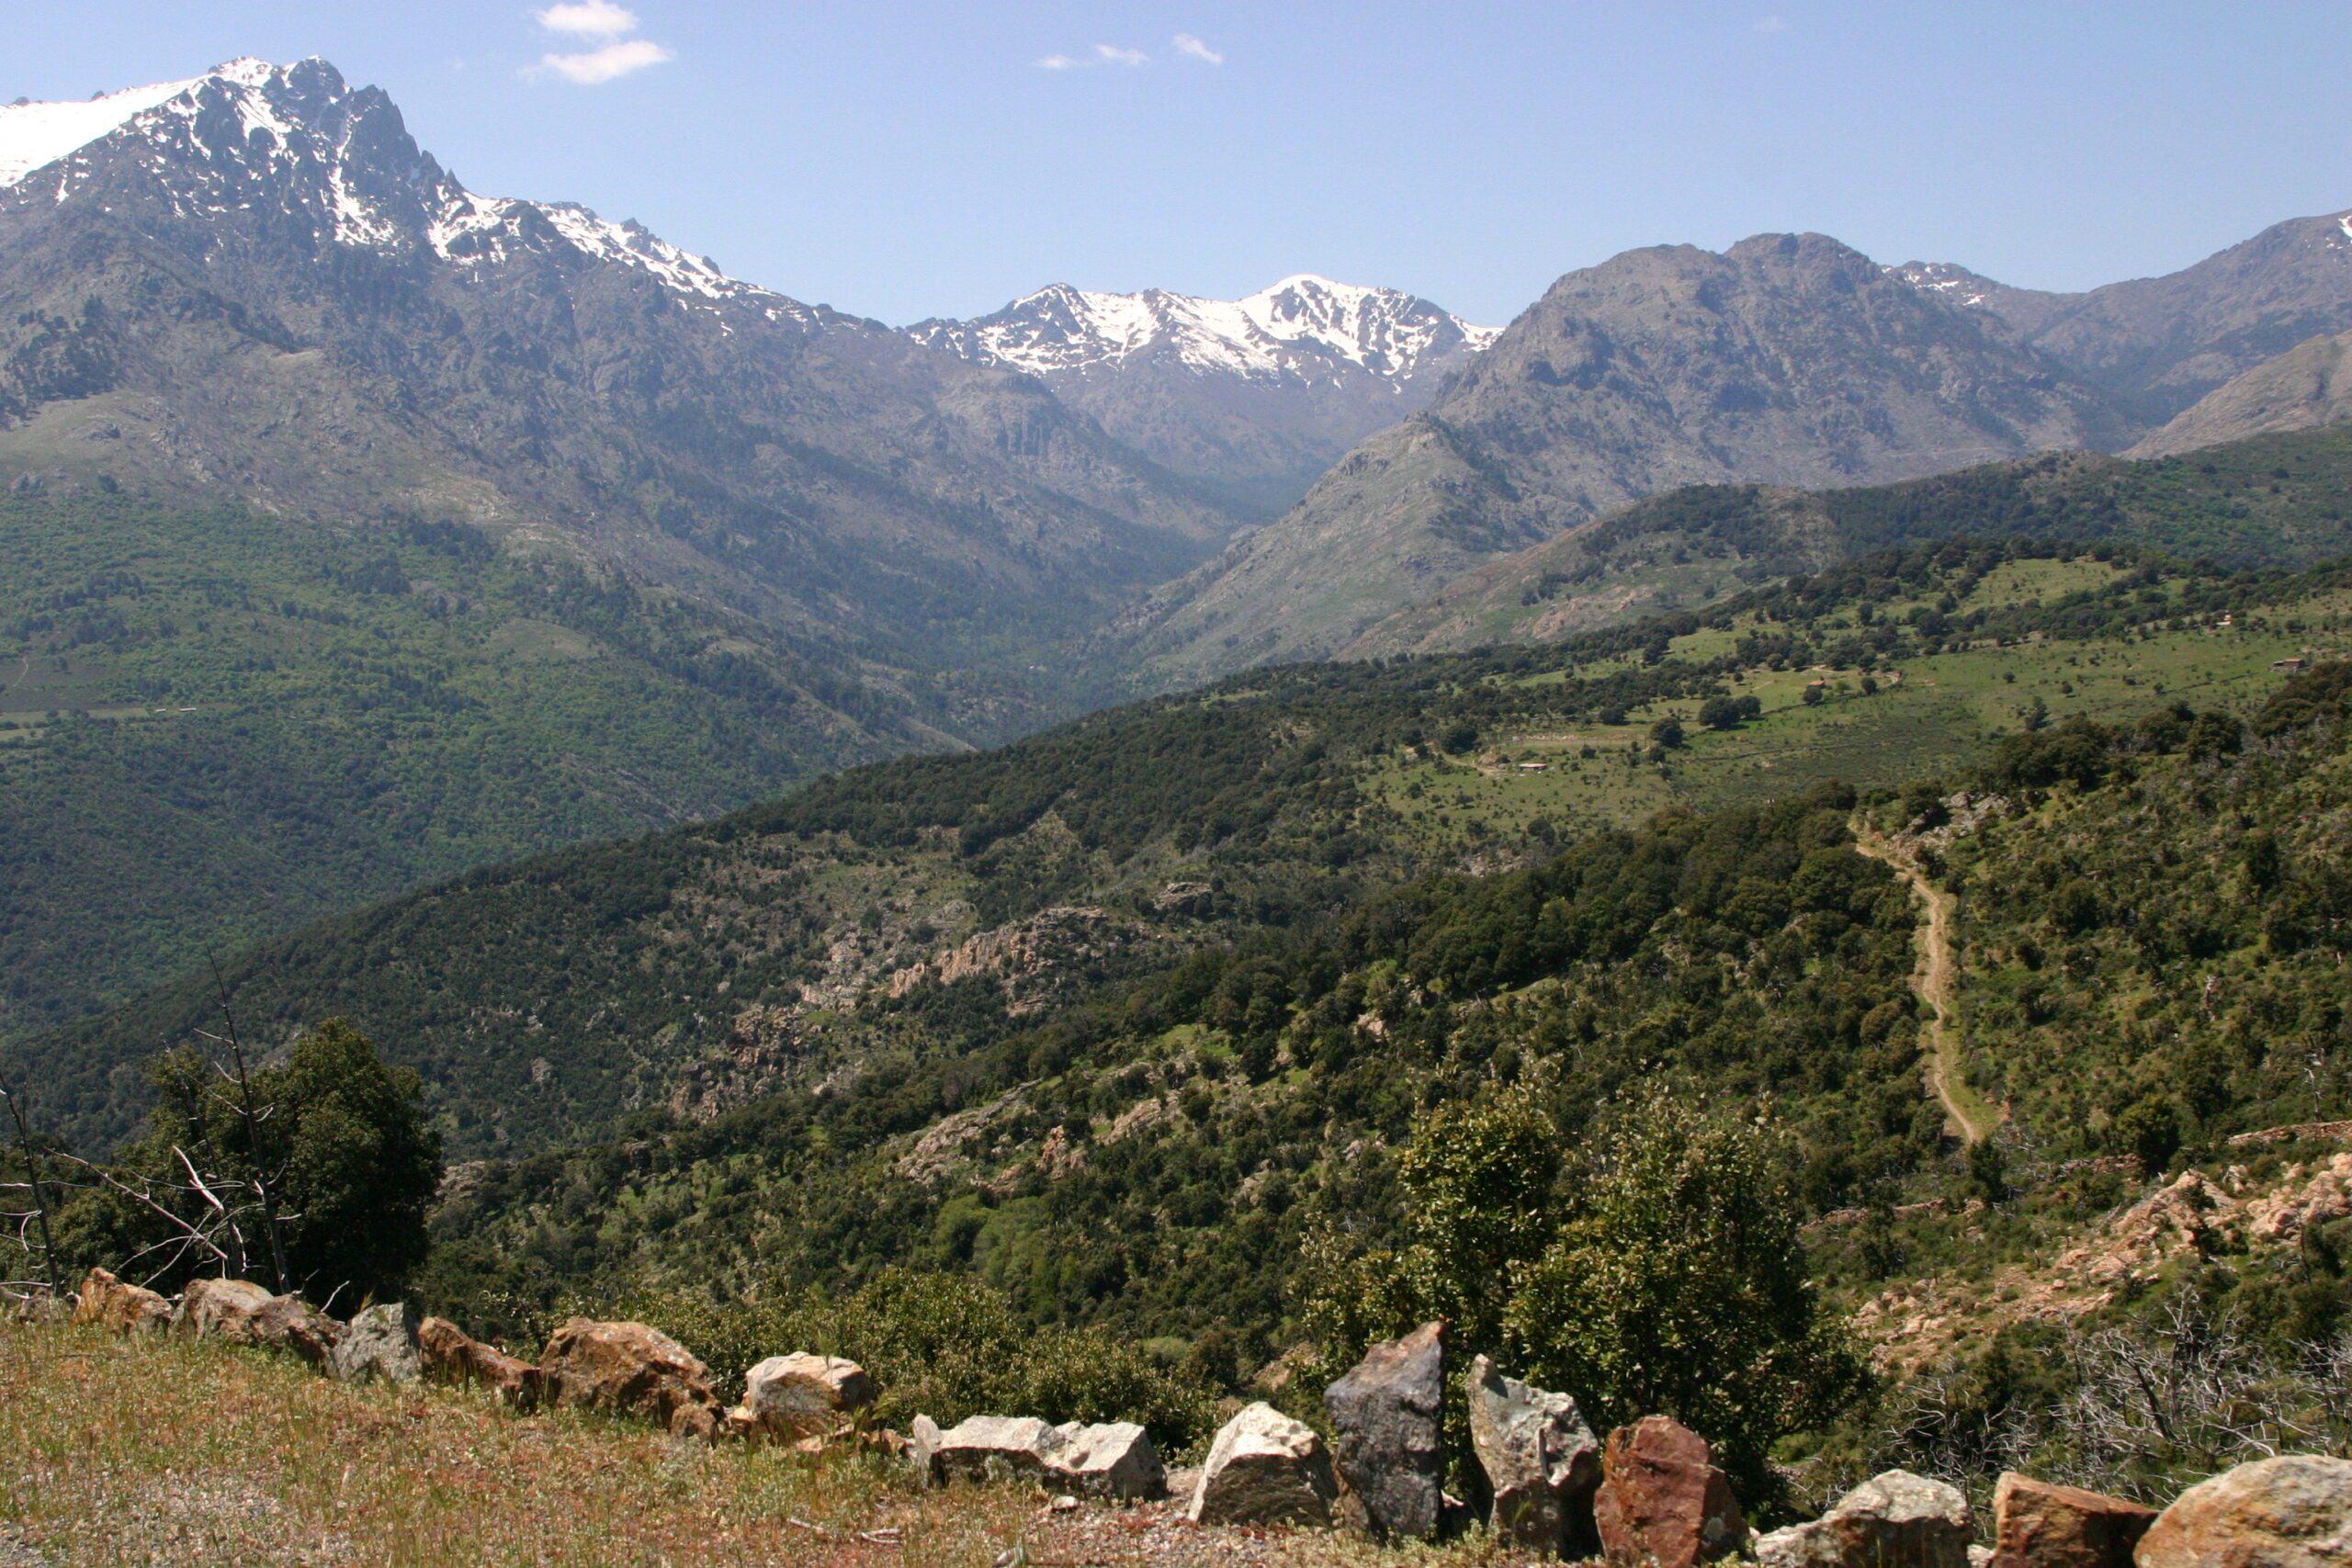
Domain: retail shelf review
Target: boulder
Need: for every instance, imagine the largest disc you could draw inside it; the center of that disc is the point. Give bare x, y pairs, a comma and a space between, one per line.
2293, 1512
1662, 1500
629, 1369
125, 1309
2037, 1524
1264, 1469
1388, 1428
986, 1448
1895, 1520
381, 1342
243, 1313
1541, 1459
1112, 1459
803, 1396
451, 1355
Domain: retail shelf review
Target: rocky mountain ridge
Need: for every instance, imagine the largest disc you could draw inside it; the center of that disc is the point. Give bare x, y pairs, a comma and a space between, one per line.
1250, 398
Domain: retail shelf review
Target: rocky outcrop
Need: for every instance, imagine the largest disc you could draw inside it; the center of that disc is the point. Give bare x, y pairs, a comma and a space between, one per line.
244, 1313
629, 1369
803, 1396
1387, 1422
2294, 1512
2037, 1524
1895, 1520
1662, 1500
452, 1356
1541, 1459
1114, 1460
381, 1342
124, 1308
1264, 1469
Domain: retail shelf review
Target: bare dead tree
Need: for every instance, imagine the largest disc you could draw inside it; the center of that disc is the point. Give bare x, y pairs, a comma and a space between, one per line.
38, 1213
262, 1185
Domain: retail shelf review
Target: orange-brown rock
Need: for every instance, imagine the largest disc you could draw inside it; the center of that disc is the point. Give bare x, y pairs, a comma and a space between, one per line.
2038, 1524
451, 1355
630, 1368
2291, 1512
244, 1313
1662, 1500
126, 1309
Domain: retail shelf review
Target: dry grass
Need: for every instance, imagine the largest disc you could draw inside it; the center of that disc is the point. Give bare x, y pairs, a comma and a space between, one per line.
155, 1452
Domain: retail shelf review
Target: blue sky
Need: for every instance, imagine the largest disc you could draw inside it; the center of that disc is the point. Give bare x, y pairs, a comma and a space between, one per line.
903, 160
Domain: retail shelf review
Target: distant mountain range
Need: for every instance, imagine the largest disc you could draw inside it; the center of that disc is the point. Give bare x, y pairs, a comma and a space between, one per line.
1253, 397
1788, 360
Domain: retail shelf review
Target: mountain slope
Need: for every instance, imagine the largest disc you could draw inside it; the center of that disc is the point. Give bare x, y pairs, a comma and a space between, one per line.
1253, 397
2154, 346
2274, 502
2307, 386
1790, 359
373, 481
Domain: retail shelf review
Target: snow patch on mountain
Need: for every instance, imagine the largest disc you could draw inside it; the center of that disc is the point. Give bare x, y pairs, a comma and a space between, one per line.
34, 135
1956, 283
1305, 326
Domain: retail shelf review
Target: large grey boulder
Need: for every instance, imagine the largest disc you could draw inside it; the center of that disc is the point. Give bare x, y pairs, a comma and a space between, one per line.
1388, 1430
1264, 1469
381, 1342
1895, 1520
1542, 1462
244, 1313
2293, 1512
804, 1396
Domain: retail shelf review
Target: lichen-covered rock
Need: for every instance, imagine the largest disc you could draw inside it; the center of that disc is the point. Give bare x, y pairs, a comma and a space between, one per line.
1387, 1427
2037, 1524
986, 1448
1265, 1469
452, 1356
124, 1308
381, 1342
803, 1396
1895, 1520
1541, 1459
244, 1313
1662, 1500
1112, 1459
2293, 1512
629, 1369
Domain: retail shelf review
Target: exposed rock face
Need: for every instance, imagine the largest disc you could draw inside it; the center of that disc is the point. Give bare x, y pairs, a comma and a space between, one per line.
126, 1309
2037, 1524
2294, 1512
1387, 1420
451, 1355
630, 1368
1895, 1520
1541, 1462
244, 1313
804, 1396
1114, 1460
1265, 1469
381, 1342
1662, 1500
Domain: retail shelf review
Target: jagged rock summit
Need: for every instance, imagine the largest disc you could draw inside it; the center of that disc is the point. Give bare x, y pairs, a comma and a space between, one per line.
1250, 398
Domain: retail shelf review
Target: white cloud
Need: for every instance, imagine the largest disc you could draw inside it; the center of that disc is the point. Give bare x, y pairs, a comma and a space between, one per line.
1772, 24
1112, 54
614, 60
1191, 44
589, 19
1060, 63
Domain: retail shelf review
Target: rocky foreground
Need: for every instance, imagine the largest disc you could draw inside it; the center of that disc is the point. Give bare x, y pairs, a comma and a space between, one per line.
794, 1473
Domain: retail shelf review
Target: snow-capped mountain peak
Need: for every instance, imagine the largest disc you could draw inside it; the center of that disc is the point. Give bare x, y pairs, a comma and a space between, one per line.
314, 146
1303, 327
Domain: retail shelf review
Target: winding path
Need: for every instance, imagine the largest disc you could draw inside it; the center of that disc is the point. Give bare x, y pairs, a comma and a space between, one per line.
1932, 980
